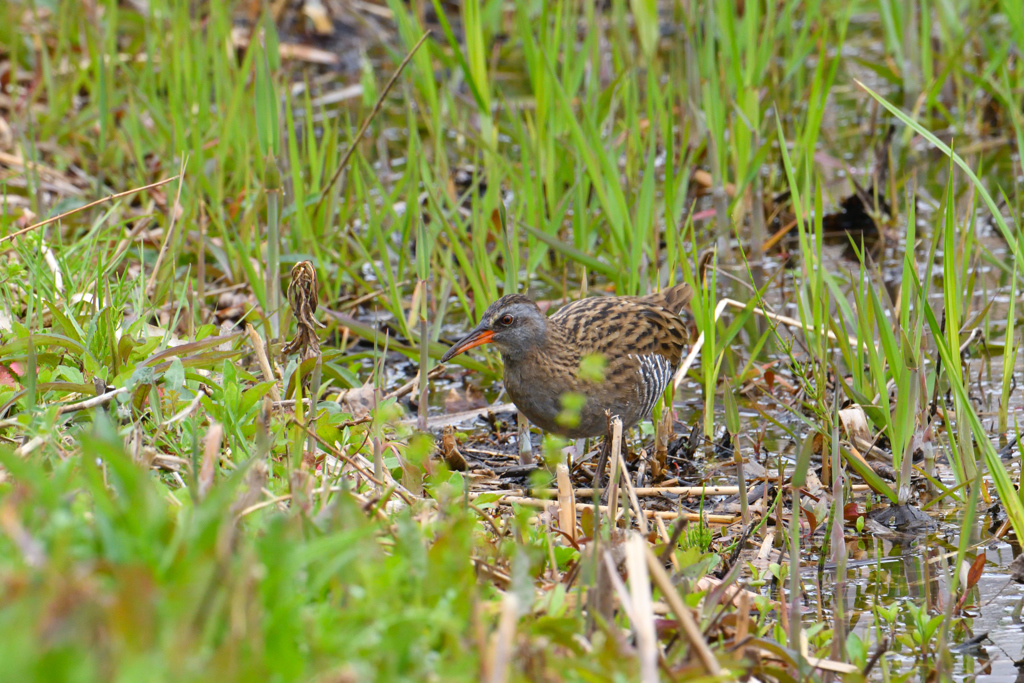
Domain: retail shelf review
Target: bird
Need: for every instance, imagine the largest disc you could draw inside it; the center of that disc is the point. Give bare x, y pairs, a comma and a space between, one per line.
638, 339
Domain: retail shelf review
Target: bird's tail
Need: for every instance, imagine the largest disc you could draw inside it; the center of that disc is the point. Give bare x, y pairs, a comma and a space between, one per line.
674, 298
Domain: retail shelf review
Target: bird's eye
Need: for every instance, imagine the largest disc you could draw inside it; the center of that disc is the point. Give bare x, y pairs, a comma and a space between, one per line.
507, 319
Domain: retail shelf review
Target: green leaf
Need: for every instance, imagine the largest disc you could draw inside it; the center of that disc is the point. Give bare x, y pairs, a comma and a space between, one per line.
645, 18
803, 461
70, 329
1000, 477
252, 395
732, 412
267, 115
592, 264
878, 484
141, 375
174, 376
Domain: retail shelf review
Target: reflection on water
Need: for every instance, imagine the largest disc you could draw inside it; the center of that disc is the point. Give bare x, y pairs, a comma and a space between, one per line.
883, 573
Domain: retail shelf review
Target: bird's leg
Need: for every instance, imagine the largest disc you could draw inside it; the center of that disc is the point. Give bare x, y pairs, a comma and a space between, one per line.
662, 431
602, 458
602, 462
525, 447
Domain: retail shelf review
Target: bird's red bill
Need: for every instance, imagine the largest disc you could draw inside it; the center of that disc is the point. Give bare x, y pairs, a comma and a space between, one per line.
468, 342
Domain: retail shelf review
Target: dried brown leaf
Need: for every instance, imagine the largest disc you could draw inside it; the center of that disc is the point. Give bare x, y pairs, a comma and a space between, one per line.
302, 296
450, 451
976, 570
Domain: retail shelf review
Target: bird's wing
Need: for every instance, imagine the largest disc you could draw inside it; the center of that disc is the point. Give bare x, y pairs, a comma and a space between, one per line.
631, 335
608, 325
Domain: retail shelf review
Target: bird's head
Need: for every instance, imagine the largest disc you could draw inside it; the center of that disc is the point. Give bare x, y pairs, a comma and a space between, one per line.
513, 323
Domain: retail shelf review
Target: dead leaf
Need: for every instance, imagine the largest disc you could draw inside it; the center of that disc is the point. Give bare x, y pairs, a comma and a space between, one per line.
851, 512
974, 573
812, 484
312, 461
812, 521
317, 13
854, 422
302, 296
450, 451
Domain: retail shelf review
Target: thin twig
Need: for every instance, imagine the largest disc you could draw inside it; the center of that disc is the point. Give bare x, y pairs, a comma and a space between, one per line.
262, 504
882, 648
83, 208
29, 446
412, 384
140, 224
366, 122
170, 230
92, 402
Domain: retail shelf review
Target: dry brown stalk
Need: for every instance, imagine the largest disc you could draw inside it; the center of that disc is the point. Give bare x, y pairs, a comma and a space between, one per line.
566, 501
580, 507
355, 465
687, 491
689, 625
643, 608
502, 640
641, 521
616, 448
261, 357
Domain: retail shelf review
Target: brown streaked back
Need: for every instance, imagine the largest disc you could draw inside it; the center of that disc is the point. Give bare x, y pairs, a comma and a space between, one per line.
675, 298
